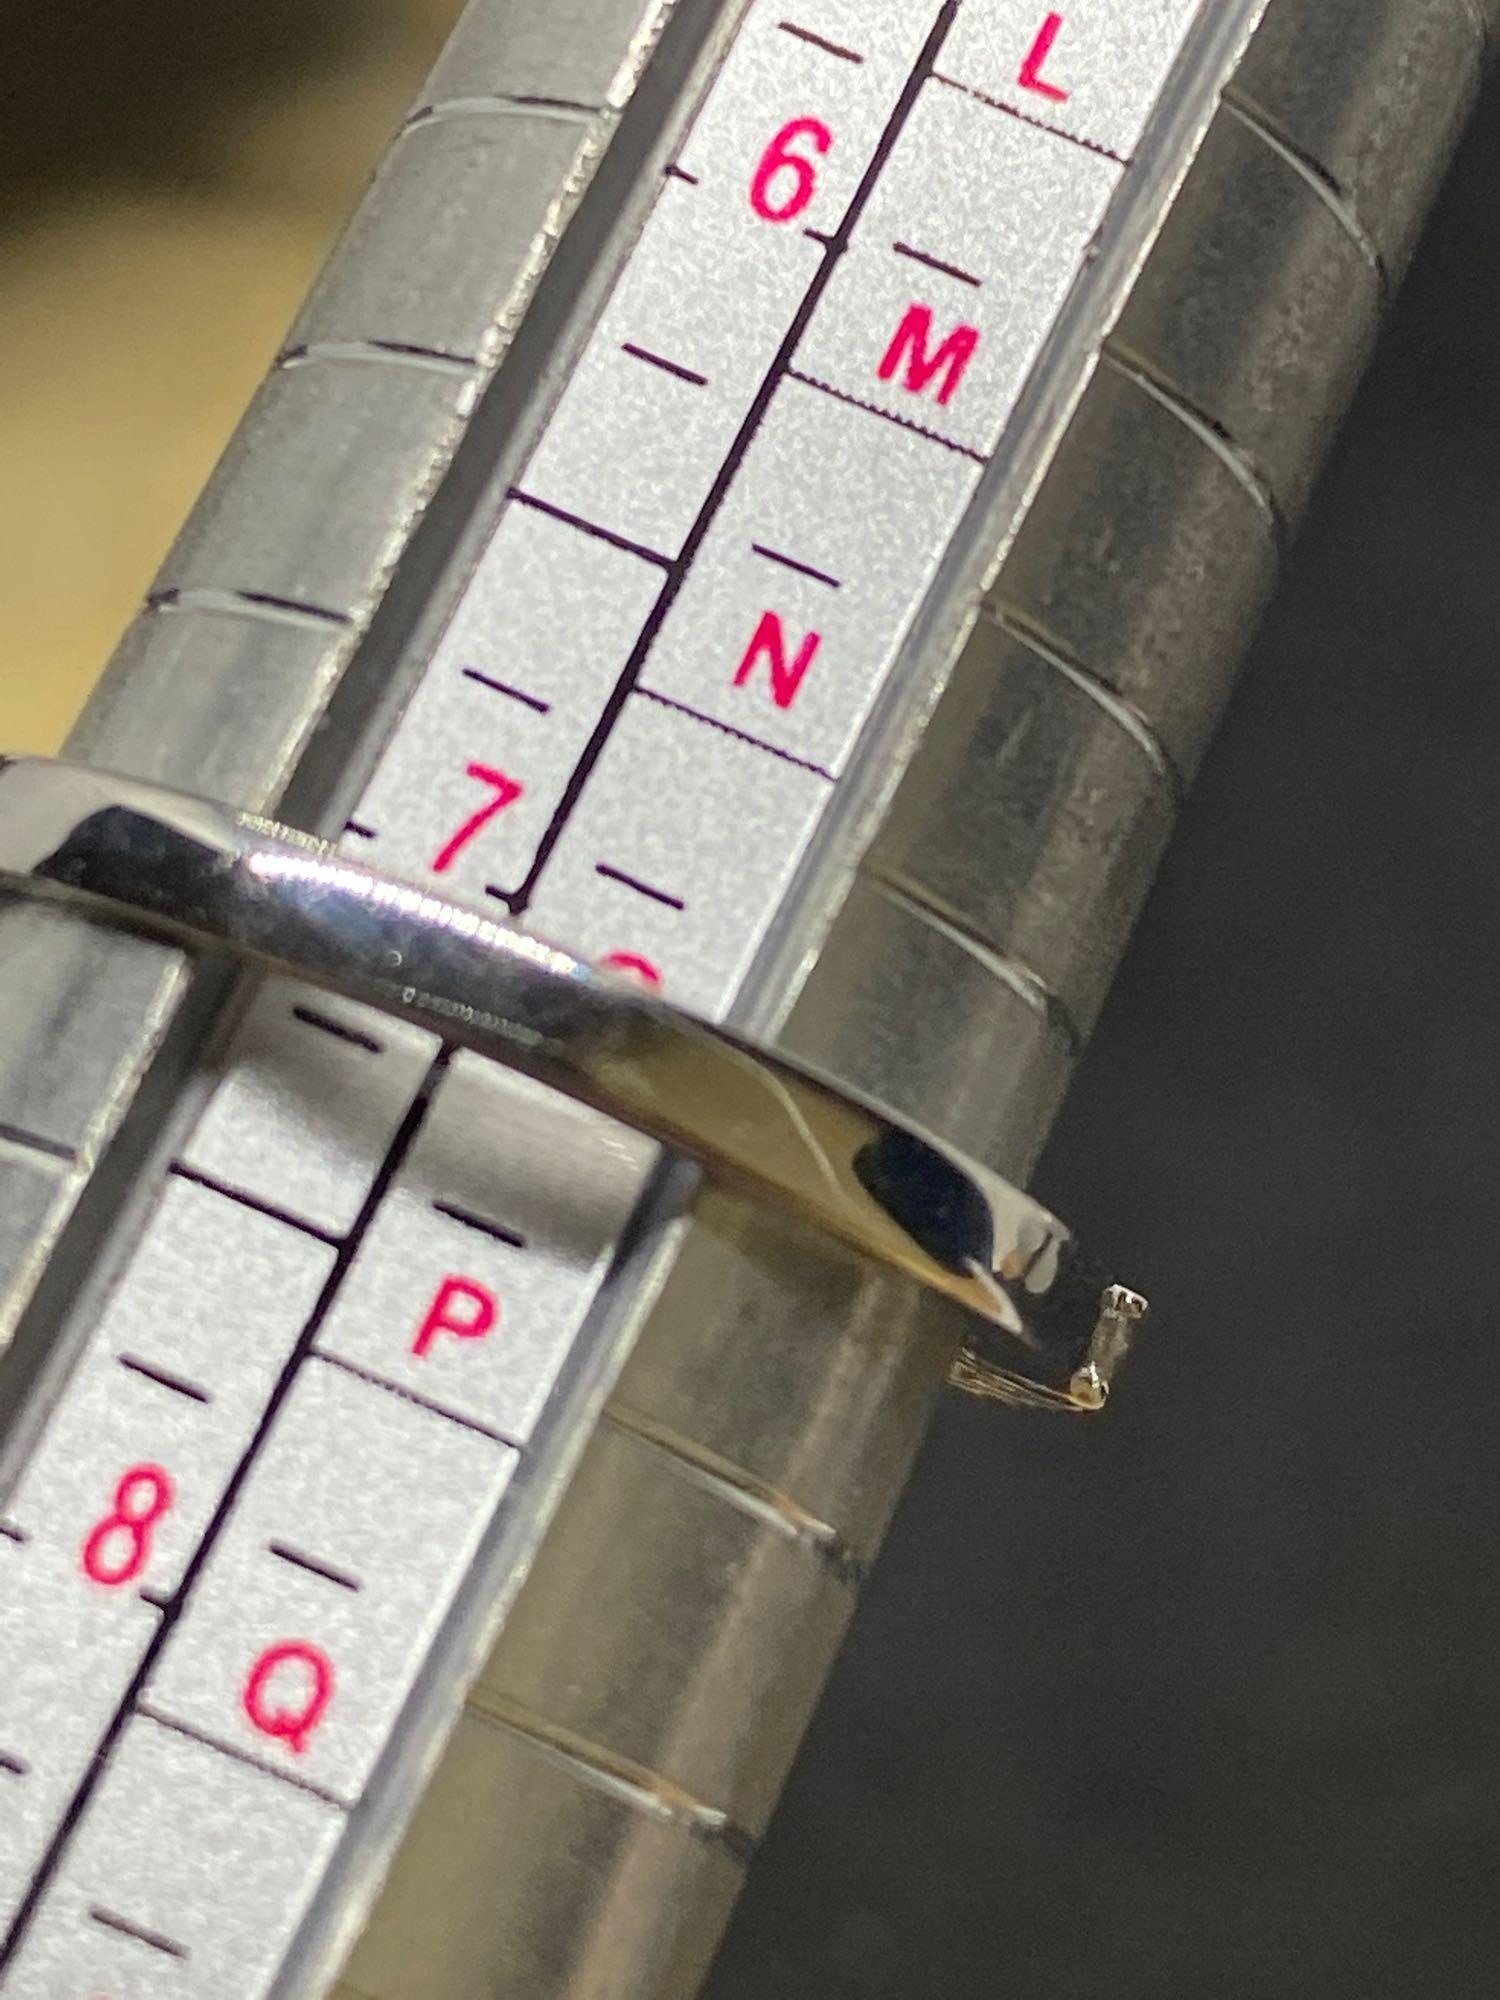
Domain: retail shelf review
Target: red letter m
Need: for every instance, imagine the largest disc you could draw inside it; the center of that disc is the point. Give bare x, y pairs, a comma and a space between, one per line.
786, 675
910, 344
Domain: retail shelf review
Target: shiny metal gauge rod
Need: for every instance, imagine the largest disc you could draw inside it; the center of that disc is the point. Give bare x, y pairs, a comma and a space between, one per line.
1026, 373
1048, 1327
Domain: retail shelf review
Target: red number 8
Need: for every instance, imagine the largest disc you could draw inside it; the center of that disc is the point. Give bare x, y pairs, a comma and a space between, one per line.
778, 158
119, 1547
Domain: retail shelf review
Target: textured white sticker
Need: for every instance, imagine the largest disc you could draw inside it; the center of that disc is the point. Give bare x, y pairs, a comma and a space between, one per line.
185, 1880
355, 1525
170, 1391
68, 1653
788, 623
793, 123
470, 784
1090, 68
952, 282
311, 1100
678, 853
469, 1288
652, 410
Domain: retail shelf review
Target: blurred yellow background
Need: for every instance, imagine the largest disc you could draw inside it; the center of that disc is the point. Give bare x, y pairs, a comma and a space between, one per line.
169, 184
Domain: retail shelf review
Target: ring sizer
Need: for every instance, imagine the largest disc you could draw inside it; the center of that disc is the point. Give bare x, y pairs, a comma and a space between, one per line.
1049, 1330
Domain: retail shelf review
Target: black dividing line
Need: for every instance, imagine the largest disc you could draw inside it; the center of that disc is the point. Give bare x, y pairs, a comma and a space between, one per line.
311, 1018
240, 1756
405, 1395
791, 562
313, 1567
590, 528
675, 173
819, 42
17, 1766
874, 410
739, 735
1041, 124
360, 832
641, 888
499, 687
141, 1935
680, 565
14, 1534
163, 1380
132, 1702
266, 1208
481, 1223
667, 367
936, 264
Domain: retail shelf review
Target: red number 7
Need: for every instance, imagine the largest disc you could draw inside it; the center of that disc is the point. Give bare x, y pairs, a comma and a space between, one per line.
506, 792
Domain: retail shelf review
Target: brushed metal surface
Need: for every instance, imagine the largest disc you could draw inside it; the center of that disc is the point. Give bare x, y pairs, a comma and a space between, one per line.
60, 1067
1065, 814
315, 496
607, 1881
258, 682
571, 52
814, 1429
694, 1612
1370, 98
1146, 558
33, 1185
997, 1082
1257, 311
464, 200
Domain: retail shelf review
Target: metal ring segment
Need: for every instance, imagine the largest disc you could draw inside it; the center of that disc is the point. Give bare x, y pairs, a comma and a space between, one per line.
1049, 1329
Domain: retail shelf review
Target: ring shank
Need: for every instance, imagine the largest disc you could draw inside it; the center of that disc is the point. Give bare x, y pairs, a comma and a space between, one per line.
1048, 1329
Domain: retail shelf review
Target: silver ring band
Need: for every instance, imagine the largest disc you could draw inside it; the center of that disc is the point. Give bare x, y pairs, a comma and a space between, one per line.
1048, 1328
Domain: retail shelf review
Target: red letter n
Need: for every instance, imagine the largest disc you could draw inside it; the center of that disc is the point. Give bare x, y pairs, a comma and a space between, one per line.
786, 675
462, 1308
910, 345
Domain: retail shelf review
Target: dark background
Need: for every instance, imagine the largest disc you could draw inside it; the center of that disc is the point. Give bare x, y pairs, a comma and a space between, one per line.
1201, 1699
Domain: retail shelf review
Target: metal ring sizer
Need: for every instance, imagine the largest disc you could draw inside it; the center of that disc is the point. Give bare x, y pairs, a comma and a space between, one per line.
1048, 1329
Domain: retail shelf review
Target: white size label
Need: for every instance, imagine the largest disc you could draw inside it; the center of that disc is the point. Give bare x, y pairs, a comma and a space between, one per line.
67, 1659
186, 1881
328, 1580
312, 1393
170, 1393
925, 319
470, 1285
1091, 70
506, 709
657, 401
786, 627
312, 1099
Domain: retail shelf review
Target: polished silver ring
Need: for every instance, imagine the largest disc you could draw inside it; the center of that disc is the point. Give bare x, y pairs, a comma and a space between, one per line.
1047, 1326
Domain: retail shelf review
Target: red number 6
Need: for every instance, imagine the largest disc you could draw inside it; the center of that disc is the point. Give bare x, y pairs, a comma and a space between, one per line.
779, 159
